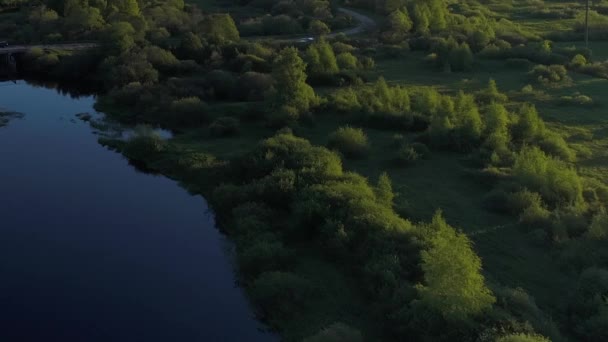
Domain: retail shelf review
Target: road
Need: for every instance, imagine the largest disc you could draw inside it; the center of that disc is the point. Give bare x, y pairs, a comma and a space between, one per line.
364, 24
24, 48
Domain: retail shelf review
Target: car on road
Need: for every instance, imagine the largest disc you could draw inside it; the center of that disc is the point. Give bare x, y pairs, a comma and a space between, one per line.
3, 44
306, 40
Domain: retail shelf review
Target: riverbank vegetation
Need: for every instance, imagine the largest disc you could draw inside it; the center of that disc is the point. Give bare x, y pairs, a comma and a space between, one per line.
440, 177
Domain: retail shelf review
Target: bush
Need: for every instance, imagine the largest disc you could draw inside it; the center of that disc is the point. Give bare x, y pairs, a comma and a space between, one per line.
549, 74
346, 60
352, 142
407, 156
578, 61
519, 201
552, 178
144, 145
224, 126
264, 255
280, 294
188, 111
337, 332
598, 229
576, 100
521, 337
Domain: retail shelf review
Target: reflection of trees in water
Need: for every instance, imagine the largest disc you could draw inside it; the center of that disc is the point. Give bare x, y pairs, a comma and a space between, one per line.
73, 90
6, 116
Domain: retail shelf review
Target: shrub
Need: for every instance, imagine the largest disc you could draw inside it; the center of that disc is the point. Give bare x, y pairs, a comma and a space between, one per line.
264, 255
578, 61
549, 74
337, 332
554, 144
224, 126
576, 100
188, 111
522, 337
552, 178
352, 142
598, 229
346, 60
144, 144
407, 155
280, 294
519, 201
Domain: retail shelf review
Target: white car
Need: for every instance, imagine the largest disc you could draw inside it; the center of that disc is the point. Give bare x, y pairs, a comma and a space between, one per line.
306, 40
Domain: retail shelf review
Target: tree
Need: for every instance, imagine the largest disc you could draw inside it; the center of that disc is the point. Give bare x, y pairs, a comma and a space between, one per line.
219, 28
290, 77
468, 122
400, 21
318, 28
454, 285
529, 125
84, 19
118, 37
128, 7
384, 190
321, 58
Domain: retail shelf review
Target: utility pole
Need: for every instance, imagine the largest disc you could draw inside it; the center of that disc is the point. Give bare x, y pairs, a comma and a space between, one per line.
587, 25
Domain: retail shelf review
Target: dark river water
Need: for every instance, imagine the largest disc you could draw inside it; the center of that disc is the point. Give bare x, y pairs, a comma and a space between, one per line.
93, 250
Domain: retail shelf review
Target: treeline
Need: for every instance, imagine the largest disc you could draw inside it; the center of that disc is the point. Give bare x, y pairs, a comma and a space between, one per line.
292, 17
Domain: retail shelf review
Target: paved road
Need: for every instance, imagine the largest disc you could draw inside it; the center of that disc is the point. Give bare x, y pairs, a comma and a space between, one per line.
23, 48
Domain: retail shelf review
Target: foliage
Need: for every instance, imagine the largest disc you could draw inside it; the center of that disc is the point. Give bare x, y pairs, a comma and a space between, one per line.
337, 332
453, 284
552, 178
521, 337
352, 142
291, 89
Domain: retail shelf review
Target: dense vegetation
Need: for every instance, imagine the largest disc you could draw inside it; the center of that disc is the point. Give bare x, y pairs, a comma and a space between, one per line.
436, 179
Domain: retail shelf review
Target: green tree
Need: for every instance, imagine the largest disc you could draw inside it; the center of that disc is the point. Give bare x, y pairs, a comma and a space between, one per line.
290, 77
128, 7
219, 28
318, 28
118, 37
400, 21
529, 126
84, 19
384, 190
321, 58
454, 285
468, 123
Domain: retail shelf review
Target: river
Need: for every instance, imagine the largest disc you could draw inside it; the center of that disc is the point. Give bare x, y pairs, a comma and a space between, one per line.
93, 250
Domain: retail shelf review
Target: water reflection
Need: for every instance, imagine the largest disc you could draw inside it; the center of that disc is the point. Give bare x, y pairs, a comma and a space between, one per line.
92, 250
